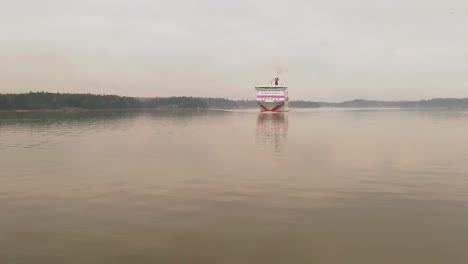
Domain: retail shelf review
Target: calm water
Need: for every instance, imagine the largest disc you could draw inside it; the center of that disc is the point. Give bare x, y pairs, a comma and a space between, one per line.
316, 186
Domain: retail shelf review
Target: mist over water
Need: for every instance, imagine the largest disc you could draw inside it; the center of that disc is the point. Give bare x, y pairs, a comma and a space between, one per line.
307, 186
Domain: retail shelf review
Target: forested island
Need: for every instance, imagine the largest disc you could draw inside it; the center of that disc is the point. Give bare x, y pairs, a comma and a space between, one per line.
60, 101
44, 100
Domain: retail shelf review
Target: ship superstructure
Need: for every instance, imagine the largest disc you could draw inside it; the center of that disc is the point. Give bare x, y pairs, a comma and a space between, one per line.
272, 97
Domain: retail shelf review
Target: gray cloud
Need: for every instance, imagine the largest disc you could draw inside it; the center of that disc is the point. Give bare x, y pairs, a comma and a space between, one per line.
326, 50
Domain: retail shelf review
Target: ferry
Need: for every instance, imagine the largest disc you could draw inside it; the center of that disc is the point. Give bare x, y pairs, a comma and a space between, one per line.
272, 97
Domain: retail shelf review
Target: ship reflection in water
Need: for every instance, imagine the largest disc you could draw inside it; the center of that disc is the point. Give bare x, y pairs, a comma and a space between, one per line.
272, 129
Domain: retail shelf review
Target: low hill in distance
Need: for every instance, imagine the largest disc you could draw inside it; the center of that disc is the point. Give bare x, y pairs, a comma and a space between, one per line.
433, 103
56, 101
42, 101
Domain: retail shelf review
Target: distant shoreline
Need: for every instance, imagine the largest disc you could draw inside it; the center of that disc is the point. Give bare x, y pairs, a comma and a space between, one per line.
57, 102
79, 110
68, 111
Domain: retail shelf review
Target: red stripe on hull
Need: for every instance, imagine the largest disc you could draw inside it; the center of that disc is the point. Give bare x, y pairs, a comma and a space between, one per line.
271, 96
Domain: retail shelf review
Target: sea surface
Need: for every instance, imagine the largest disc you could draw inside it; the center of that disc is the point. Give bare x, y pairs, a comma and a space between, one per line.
308, 186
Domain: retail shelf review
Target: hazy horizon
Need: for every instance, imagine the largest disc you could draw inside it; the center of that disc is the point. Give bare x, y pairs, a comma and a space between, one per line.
387, 51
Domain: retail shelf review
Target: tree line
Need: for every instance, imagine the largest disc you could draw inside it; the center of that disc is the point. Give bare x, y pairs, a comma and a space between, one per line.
42, 100
46, 100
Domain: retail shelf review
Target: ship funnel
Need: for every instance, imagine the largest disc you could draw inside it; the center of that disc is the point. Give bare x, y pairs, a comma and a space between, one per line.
276, 81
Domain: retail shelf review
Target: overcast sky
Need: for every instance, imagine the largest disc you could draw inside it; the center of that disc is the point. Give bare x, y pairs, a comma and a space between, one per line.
324, 50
